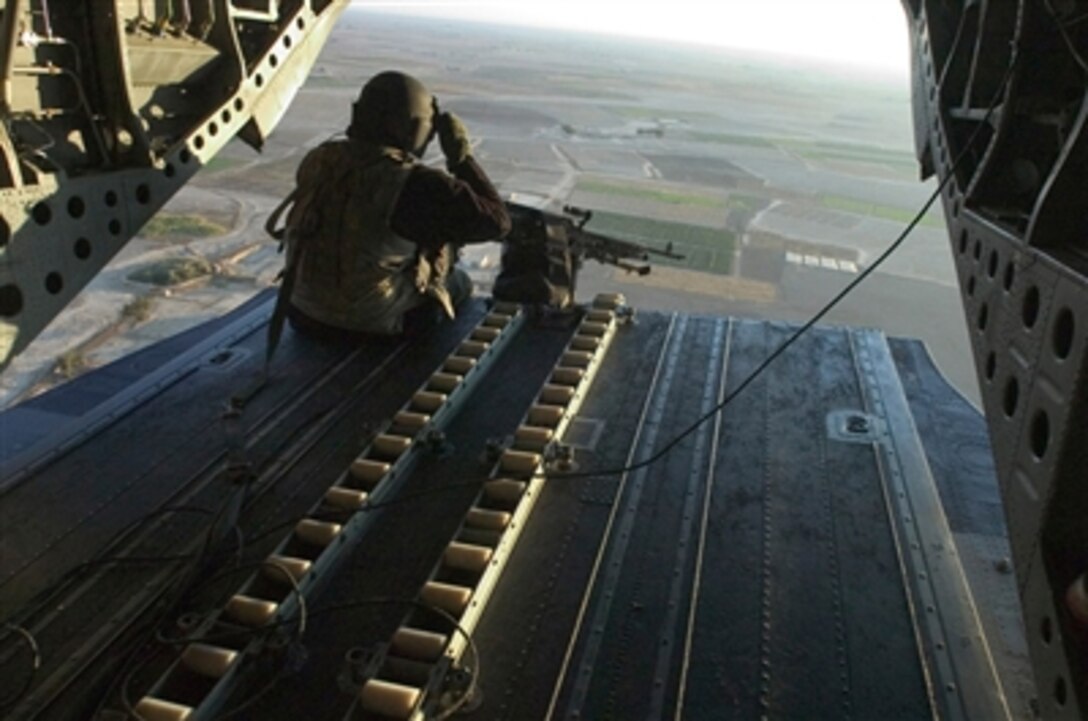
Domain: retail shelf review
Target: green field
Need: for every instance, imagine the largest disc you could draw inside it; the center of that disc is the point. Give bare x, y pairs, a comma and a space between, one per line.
176, 225
875, 210
172, 271
660, 195
707, 249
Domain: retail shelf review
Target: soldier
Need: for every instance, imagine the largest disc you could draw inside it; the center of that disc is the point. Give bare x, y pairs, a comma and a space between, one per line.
373, 234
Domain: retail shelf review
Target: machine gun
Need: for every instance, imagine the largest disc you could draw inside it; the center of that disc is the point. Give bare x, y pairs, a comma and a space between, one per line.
545, 250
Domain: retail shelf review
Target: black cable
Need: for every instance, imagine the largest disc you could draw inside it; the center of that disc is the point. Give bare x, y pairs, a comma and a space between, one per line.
35, 664
827, 308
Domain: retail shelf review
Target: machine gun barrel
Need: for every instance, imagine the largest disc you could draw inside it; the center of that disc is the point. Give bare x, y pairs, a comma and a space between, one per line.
568, 228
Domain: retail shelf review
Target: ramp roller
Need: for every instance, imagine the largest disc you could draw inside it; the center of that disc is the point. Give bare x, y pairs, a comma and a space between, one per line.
317, 533
390, 446
466, 557
519, 461
411, 421
556, 395
444, 382
250, 611
368, 470
504, 491
497, 320
473, 348
532, 438
210, 661
487, 520
450, 598
154, 709
590, 328
276, 566
485, 334
427, 401
576, 359
348, 499
545, 416
585, 342
568, 376
389, 699
415, 643
459, 364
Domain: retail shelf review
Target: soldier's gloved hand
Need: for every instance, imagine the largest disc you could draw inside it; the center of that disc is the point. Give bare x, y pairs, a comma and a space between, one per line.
453, 137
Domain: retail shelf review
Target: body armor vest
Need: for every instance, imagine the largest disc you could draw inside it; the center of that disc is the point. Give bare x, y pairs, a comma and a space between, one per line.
353, 271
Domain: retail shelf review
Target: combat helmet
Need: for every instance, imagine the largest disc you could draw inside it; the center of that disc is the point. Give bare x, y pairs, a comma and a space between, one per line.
396, 110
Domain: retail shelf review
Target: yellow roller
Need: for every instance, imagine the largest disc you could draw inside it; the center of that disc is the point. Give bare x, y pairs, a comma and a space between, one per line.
532, 438
486, 334
576, 359
556, 395
250, 611
545, 416
459, 364
386, 698
427, 401
410, 421
519, 461
444, 382
446, 596
593, 329
155, 709
349, 499
568, 376
497, 320
210, 661
466, 557
600, 316
609, 301
505, 491
585, 342
368, 470
390, 446
473, 348
417, 644
317, 533
487, 520
277, 566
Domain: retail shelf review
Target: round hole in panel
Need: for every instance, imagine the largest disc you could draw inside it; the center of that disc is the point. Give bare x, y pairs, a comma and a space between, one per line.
143, 194
185, 156
258, 80
1030, 311
198, 142
169, 170
42, 213
1046, 630
11, 300
1064, 329
115, 226
995, 260
110, 198
82, 248
991, 366
239, 104
301, 23
76, 207
273, 60
1040, 434
1011, 398
1060, 693
5, 232
1010, 275
963, 241
287, 41
971, 287
978, 250
213, 129
54, 283
225, 116
983, 317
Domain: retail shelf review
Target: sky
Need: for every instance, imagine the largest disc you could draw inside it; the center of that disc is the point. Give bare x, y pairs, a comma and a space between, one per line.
866, 33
